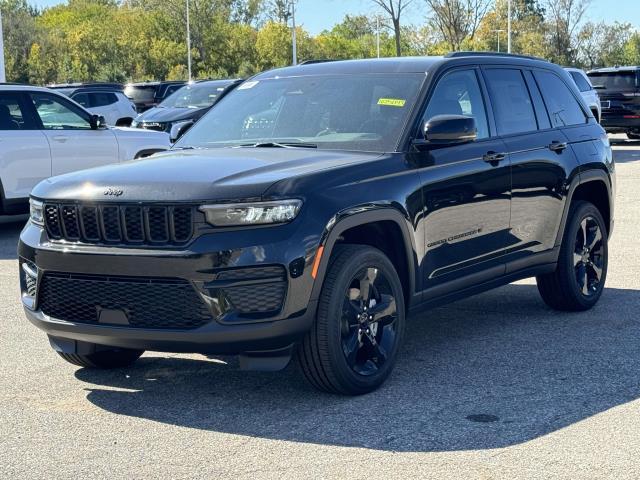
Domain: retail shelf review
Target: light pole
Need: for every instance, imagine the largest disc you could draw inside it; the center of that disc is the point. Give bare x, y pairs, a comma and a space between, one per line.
3, 78
378, 34
293, 33
508, 26
498, 32
188, 43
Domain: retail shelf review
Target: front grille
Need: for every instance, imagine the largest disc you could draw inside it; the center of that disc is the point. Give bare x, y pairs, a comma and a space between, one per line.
146, 302
120, 224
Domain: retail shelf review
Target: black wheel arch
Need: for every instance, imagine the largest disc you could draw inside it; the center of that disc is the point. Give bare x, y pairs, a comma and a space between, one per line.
371, 217
592, 185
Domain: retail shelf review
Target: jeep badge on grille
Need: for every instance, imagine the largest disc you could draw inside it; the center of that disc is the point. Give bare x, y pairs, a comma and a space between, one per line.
114, 192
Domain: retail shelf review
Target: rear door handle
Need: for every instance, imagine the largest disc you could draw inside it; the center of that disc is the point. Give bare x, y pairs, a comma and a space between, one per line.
556, 146
494, 157
60, 138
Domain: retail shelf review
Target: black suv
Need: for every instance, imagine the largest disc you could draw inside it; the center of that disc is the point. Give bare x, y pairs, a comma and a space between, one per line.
149, 94
619, 91
314, 207
180, 110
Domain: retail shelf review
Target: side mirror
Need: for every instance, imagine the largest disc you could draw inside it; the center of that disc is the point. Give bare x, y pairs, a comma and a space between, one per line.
450, 130
97, 122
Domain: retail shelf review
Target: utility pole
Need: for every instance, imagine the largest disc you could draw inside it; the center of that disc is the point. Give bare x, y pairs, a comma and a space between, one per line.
378, 34
188, 42
3, 77
498, 32
294, 40
508, 26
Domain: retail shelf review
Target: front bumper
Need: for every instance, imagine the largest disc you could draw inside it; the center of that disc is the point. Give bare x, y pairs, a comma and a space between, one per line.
199, 263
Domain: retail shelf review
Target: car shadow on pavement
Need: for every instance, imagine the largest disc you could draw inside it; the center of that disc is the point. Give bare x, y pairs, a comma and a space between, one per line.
490, 371
631, 152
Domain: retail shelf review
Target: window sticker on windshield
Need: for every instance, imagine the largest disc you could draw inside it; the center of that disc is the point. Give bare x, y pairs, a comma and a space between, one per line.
247, 85
392, 102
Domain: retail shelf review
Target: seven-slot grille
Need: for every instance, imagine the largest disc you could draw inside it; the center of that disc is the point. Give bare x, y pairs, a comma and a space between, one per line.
119, 224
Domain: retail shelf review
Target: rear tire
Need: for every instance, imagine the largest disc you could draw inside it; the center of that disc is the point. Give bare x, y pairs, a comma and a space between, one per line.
104, 359
354, 342
579, 279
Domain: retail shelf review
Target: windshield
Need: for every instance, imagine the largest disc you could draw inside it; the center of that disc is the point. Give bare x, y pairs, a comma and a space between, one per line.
613, 80
194, 96
140, 93
364, 112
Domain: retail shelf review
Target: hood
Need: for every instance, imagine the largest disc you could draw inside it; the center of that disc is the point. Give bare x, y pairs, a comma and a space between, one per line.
139, 134
164, 115
220, 174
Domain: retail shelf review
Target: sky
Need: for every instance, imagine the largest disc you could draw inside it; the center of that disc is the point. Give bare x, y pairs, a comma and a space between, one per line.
318, 15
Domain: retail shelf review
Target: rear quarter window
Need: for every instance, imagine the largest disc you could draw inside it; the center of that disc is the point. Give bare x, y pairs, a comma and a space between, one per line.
581, 82
563, 108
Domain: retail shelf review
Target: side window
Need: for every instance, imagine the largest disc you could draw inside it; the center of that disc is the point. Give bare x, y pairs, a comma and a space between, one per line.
102, 99
82, 99
538, 103
581, 82
563, 108
11, 114
56, 114
458, 93
511, 101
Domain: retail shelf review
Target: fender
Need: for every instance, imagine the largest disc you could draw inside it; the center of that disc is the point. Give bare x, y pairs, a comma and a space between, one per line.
362, 215
584, 177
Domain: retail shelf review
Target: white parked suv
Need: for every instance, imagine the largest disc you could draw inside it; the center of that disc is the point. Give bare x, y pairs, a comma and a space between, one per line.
44, 133
116, 108
589, 94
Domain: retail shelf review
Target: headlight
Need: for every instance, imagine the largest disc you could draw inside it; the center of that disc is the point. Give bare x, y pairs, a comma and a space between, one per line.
259, 213
178, 128
36, 212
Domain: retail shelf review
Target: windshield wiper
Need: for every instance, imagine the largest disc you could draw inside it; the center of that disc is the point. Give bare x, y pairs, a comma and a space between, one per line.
278, 145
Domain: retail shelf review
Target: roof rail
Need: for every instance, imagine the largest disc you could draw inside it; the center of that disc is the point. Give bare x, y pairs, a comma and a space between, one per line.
318, 60
491, 54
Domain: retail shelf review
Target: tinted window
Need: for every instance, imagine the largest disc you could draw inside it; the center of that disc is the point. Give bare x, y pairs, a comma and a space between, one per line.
11, 115
512, 106
102, 99
563, 107
581, 82
541, 110
614, 80
458, 93
364, 112
140, 93
197, 95
57, 114
82, 99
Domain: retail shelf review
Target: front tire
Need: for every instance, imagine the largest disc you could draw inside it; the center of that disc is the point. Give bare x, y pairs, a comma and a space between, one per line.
579, 279
104, 359
354, 342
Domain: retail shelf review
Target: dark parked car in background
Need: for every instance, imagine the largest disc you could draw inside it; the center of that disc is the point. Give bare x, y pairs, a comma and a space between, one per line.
314, 207
149, 94
619, 90
183, 108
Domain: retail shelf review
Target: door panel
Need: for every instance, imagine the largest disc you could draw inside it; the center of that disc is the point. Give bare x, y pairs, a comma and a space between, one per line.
74, 145
466, 195
25, 158
466, 216
540, 178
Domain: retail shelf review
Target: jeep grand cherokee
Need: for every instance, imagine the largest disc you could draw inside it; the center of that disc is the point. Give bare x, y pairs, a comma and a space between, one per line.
313, 208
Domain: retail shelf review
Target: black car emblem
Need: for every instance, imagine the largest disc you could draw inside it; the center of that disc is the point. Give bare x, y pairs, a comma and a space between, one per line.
115, 192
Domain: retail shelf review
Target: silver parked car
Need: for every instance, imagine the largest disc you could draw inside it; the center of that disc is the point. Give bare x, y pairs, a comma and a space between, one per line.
590, 95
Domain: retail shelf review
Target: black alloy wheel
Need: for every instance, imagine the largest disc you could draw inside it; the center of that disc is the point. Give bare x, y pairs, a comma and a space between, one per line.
355, 339
581, 271
369, 315
588, 256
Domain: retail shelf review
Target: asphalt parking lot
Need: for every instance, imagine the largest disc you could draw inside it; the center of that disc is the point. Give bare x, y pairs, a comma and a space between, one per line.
495, 386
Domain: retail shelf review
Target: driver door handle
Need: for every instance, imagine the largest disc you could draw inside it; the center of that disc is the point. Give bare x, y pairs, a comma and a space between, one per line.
60, 138
494, 157
556, 146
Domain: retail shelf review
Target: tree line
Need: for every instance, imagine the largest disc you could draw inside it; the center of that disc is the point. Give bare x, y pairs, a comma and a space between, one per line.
135, 40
